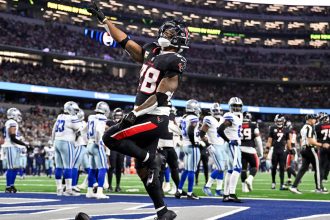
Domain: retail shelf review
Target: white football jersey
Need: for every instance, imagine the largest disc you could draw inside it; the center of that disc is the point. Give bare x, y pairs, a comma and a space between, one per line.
212, 133
82, 138
49, 152
185, 123
96, 127
10, 123
65, 127
234, 132
23, 151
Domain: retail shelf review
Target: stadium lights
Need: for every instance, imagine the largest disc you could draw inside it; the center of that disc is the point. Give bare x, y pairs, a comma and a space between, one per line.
286, 2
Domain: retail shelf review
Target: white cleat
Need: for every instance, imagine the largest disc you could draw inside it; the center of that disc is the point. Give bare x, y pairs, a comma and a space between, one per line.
76, 189
244, 188
248, 184
101, 196
59, 192
70, 193
91, 195
295, 190
173, 190
82, 186
166, 187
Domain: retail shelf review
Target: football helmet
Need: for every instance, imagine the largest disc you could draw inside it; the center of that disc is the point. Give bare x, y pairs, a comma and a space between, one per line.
117, 114
216, 110
71, 108
193, 106
103, 108
235, 105
247, 117
15, 114
81, 115
288, 125
174, 33
279, 120
323, 117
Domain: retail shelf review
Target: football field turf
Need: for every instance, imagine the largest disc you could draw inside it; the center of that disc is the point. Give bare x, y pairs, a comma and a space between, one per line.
131, 184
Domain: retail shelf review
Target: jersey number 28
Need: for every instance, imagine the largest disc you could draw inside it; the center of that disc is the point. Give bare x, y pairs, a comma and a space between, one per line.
149, 76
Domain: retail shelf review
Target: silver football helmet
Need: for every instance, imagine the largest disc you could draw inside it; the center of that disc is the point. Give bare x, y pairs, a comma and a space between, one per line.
117, 114
71, 108
216, 110
81, 115
103, 108
279, 120
14, 113
235, 105
193, 106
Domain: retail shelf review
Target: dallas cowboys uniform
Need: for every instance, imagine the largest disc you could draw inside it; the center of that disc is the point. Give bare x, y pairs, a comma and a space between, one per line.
49, 156
12, 150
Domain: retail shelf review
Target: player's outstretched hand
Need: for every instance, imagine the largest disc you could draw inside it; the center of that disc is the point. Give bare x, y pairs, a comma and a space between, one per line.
325, 145
95, 10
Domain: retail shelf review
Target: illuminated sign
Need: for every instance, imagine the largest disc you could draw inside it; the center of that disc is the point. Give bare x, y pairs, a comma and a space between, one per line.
204, 31
286, 2
68, 8
320, 36
234, 35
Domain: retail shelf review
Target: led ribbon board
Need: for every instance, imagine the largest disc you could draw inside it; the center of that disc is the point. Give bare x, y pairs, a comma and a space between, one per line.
287, 2
17, 87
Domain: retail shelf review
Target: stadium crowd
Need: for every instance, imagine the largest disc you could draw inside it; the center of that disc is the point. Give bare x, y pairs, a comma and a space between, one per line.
225, 62
260, 95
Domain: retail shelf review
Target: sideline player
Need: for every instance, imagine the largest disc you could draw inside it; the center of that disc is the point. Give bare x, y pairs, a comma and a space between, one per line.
96, 150
251, 147
49, 156
216, 147
322, 130
138, 133
230, 131
309, 155
11, 147
63, 136
116, 159
291, 158
279, 137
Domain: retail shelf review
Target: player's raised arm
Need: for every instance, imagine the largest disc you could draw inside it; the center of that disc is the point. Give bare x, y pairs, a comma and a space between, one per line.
134, 49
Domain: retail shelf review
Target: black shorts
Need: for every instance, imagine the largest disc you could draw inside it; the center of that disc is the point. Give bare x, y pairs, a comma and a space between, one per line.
145, 132
251, 159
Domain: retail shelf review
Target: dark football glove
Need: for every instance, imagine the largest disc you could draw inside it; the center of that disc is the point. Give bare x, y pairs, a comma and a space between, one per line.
95, 10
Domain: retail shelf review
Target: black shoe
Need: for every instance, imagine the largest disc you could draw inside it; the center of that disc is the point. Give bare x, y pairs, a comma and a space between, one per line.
225, 198
284, 188
118, 189
13, 189
8, 189
234, 198
110, 189
178, 195
169, 215
95, 189
192, 197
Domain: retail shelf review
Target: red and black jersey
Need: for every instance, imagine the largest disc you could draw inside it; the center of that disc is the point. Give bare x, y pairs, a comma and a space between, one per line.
157, 65
279, 136
248, 131
323, 132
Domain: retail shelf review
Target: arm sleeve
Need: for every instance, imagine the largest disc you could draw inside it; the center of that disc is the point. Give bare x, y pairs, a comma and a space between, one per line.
15, 140
270, 134
258, 143
190, 132
221, 132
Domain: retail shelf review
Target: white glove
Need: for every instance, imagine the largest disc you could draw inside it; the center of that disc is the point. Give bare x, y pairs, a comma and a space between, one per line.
211, 149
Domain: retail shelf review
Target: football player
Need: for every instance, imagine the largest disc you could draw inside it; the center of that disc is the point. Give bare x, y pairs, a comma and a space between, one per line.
291, 158
216, 147
96, 149
11, 147
230, 131
309, 155
323, 136
63, 136
279, 138
251, 147
138, 133
116, 159
49, 156
190, 135
81, 152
